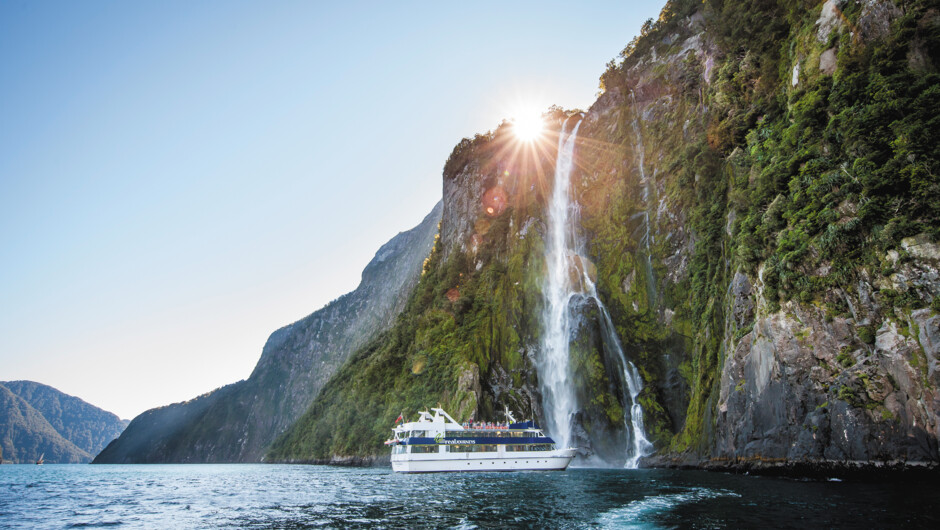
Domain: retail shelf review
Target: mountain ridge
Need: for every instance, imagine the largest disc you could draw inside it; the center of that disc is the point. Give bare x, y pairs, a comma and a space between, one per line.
235, 423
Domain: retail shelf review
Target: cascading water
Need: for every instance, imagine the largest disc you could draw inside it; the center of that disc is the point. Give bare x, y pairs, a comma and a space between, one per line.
563, 251
557, 393
647, 238
639, 445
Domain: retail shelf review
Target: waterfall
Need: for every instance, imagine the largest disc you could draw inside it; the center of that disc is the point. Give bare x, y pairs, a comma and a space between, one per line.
647, 238
557, 394
639, 445
568, 277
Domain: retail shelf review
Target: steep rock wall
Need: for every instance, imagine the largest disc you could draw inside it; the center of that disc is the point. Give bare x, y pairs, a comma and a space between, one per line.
796, 315
757, 189
802, 385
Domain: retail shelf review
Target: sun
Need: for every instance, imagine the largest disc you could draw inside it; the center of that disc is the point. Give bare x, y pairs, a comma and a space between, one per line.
527, 125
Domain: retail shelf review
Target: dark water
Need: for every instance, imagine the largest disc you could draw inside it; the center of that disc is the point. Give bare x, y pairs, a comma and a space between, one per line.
263, 496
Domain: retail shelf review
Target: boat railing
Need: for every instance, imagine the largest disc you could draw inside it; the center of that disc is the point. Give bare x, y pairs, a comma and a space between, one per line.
485, 426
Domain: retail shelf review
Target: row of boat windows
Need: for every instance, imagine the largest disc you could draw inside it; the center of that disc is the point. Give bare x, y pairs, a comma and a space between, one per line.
476, 434
470, 448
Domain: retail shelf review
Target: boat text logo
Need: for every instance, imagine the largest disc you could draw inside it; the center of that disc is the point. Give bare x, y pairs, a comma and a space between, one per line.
439, 439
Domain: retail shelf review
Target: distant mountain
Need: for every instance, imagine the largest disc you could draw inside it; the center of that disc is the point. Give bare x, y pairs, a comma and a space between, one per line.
36, 419
87, 426
236, 423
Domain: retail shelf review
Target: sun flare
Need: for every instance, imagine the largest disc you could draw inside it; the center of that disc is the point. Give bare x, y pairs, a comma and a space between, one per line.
528, 125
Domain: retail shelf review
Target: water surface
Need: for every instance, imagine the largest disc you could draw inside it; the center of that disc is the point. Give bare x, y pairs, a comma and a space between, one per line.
283, 496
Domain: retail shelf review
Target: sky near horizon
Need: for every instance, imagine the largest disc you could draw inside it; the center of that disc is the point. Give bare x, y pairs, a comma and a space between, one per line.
180, 179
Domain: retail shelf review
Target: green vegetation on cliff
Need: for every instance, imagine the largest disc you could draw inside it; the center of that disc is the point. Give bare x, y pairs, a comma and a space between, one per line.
459, 322
803, 157
793, 143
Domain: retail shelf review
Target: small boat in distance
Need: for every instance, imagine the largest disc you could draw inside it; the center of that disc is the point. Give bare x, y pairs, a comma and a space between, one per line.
437, 443
41, 461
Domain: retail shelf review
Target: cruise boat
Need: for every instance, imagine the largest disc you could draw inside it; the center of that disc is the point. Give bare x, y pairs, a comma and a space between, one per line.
437, 443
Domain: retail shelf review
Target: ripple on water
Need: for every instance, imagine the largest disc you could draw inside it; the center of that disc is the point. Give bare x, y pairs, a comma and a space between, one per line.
641, 513
268, 496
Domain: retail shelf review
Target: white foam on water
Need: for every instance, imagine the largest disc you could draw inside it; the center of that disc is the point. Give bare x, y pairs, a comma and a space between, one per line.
636, 514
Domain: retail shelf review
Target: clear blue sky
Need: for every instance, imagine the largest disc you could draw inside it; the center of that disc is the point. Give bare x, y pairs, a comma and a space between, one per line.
180, 179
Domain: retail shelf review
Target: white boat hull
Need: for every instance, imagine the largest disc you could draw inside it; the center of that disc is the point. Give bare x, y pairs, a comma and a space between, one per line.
557, 460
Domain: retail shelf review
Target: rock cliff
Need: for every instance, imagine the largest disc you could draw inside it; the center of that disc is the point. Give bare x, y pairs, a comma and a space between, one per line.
790, 304
758, 192
237, 422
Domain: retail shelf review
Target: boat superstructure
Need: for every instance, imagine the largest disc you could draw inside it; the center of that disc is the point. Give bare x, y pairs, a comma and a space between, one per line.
435, 442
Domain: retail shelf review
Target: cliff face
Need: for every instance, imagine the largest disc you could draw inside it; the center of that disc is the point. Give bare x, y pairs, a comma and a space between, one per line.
803, 385
237, 422
38, 419
465, 337
789, 312
758, 192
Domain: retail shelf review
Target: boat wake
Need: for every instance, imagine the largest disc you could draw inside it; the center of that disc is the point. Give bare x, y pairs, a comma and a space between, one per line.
640, 513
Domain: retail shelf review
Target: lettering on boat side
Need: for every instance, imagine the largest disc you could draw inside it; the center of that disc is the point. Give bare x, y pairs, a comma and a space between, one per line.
439, 439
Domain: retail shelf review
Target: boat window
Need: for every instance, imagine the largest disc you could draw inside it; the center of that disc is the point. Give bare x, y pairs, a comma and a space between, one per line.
423, 448
475, 448
529, 447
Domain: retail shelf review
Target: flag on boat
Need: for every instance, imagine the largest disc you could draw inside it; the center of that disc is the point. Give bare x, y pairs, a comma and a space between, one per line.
401, 417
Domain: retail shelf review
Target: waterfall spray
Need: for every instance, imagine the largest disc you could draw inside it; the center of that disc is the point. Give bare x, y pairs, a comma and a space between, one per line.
563, 247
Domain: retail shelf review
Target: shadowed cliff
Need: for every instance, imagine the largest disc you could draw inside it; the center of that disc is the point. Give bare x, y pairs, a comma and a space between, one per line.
236, 423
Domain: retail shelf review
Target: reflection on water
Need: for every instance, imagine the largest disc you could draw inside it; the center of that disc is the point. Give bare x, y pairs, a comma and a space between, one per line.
282, 496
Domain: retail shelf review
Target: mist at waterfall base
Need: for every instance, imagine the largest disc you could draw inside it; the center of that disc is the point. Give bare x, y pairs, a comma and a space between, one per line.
567, 289
296, 496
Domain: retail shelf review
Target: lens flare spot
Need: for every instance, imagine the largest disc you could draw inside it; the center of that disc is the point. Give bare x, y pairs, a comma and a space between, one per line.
495, 201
